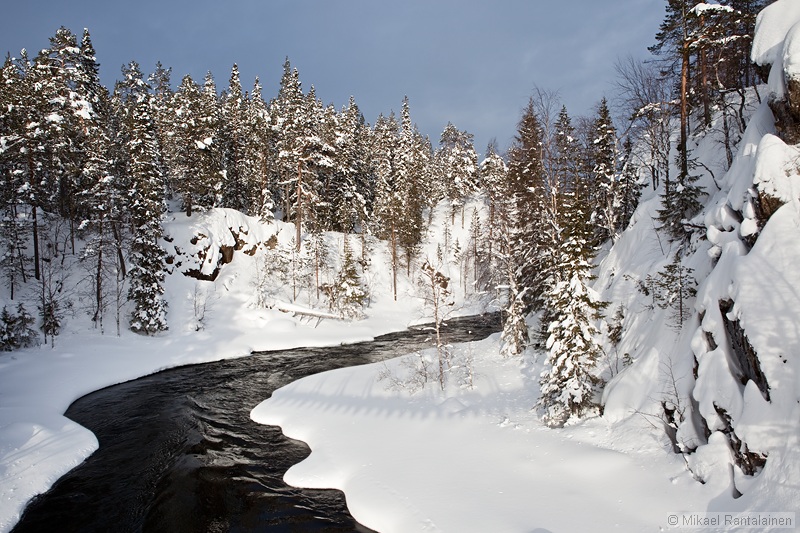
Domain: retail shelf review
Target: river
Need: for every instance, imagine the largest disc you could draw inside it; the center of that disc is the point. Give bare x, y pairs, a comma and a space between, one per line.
179, 452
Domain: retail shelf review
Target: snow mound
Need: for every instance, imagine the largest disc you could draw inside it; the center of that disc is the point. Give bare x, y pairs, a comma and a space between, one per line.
772, 26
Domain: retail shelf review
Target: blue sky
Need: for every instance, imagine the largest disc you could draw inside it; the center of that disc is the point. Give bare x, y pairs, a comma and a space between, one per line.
471, 62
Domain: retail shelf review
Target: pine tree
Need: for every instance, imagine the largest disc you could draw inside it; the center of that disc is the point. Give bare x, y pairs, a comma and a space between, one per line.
413, 160
146, 204
457, 164
629, 186
493, 175
673, 287
352, 197
315, 160
523, 217
604, 174
15, 329
530, 224
389, 200
233, 137
258, 157
288, 121
346, 295
209, 143
197, 158
17, 166
679, 203
571, 311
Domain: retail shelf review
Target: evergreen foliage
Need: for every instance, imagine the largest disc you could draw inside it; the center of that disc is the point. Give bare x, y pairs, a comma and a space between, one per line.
604, 173
15, 329
346, 295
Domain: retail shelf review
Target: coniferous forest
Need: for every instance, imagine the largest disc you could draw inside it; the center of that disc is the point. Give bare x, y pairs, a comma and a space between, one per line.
642, 257
88, 174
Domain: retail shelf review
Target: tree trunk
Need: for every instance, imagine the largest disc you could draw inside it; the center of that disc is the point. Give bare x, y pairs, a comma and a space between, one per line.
684, 138
32, 172
299, 214
98, 315
394, 261
704, 81
123, 271
706, 97
491, 229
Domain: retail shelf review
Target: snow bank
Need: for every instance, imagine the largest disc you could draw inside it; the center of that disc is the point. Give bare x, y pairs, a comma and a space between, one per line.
208, 321
772, 26
777, 43
405, 458
469, 459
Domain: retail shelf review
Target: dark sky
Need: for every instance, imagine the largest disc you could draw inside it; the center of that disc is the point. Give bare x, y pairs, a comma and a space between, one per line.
473, 63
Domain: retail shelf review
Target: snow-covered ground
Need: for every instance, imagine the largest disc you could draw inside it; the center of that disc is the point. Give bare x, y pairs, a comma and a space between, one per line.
208, 321
474, 456
477, 458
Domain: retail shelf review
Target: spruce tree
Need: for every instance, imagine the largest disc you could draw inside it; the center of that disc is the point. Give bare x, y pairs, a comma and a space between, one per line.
531, 236
568, 383
233, 137
197, 158
629, 186
17, 166
604, 174
457, 164
288, 120
413, 160
521, 216
351, 198
258, 157
493, 176
145, 203
389, 200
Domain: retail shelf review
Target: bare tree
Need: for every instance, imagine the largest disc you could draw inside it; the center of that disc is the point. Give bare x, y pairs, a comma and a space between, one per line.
436, 296
643, 94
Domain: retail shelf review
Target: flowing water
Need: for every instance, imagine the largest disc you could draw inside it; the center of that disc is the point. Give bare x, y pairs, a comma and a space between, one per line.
179, 453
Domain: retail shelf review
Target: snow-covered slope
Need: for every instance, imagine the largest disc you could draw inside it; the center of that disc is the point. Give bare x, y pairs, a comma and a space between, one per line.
732, 370
701, 412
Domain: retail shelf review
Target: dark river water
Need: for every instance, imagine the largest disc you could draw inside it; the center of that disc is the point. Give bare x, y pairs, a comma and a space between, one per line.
179, 453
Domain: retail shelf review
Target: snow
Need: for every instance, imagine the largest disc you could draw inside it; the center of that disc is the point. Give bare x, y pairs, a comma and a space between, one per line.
702, 9
772, 26
777, 43
478, 458
473, 455
38, 444
776, 172
469, 459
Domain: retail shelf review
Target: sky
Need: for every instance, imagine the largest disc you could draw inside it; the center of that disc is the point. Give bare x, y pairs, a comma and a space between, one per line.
473, 63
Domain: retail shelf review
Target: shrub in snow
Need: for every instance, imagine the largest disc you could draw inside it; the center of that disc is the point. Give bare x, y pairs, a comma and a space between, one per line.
437, 296
346, 296
15, 329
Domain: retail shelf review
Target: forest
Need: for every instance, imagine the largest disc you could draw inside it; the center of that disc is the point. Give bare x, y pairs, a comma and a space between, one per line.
89, 173
641, 257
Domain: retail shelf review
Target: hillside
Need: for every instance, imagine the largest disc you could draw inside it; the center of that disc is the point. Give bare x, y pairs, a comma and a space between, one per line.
702, 402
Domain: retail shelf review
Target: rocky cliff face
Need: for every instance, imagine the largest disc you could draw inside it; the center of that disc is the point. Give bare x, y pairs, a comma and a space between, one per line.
201, 245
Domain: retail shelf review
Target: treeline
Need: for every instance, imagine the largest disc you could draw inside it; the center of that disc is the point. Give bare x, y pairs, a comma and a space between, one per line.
104, 164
